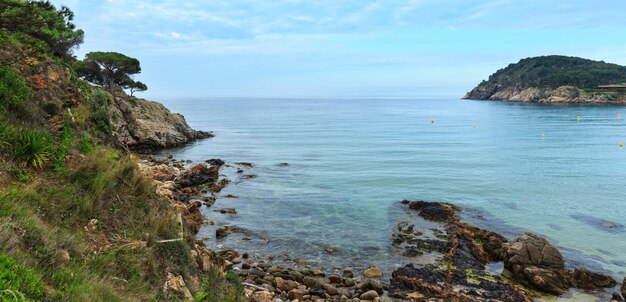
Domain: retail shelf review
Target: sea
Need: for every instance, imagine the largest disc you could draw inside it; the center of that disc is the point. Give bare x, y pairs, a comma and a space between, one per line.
331, 172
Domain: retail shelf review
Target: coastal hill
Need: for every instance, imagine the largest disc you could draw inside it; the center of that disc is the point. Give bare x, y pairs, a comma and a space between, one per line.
555, 79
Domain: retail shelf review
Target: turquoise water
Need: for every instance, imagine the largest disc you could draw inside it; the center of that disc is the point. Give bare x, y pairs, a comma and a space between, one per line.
514, 167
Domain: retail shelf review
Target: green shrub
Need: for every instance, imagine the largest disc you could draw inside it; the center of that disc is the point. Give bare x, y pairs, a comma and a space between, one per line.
14, 93
99, 106
31, 146
66, 137
18, 281
216, 288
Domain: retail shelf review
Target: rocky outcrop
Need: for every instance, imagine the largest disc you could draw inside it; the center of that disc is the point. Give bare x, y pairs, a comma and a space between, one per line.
143, 124
533, 260
563, 94
462, 252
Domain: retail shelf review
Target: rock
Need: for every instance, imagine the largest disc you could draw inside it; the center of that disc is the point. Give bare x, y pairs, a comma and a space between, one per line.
331, 290
64, 255
534, 260
143, 124
311, 282
221, 232
349, 282
197, 175
317, 273
215, 162
175, 288
586, 279
334, 279
230, 211
373, 272
548, 280
370, 284
285, 285
348, 273
624, 288
369, 295
616, 297
317, 292
295, 294
297, 276
262, 296
331, 250
434, 211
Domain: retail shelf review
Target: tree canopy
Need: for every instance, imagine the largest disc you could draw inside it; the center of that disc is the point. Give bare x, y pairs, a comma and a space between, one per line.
556, 71
41, 26
110, 69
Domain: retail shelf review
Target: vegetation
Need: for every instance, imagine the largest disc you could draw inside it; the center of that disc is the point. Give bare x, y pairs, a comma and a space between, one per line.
41, 26
78, 221
110, 69
556, 71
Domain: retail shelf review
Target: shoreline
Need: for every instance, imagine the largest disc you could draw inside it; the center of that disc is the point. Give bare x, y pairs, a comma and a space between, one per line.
248, 268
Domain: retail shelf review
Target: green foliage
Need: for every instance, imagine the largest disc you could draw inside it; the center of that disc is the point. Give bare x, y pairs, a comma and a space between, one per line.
64, 144
214, 288
18, 281
99, 107
31, 146
85, 144
556, 71
14, 93
134, 86
41, 26
108, 69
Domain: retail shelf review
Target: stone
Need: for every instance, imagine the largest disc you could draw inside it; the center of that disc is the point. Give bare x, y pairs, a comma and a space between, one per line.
222, 232
230, 211
262, 296
548, 280
586, 279
369, 295
530, 249
311, 282
331, 250
373, 272
317, 273
331, 290
144, 124
175, 286
348, 273
335, 279
350, 282
285, 285
624, 288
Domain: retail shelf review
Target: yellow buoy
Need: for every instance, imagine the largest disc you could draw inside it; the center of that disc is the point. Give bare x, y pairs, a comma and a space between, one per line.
578, 117
543, 135
432, 121
621, 145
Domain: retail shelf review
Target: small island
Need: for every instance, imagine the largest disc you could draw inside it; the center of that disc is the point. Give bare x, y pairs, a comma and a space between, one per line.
555, 79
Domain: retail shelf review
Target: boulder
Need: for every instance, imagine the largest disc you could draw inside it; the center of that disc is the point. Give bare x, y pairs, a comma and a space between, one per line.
175, 288
533, 260
373, 272
295, 294
369, 295
586, 279
624, 288
331, 290
262, 296
142, 124
532, 250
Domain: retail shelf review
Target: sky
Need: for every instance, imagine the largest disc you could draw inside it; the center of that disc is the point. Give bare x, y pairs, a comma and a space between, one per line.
341, 48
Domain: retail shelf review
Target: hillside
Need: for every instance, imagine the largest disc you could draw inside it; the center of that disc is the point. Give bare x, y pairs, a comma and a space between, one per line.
557, 79
80, 217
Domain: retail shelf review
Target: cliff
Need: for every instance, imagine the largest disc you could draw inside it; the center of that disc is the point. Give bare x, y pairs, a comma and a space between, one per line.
553, 79
141, 124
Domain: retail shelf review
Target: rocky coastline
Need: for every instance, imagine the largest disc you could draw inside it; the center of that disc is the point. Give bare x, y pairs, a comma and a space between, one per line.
560, 95
458, 254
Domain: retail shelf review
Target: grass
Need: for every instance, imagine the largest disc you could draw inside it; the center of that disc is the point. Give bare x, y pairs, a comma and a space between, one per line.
217, 288
18, 282
51, 210
14, 93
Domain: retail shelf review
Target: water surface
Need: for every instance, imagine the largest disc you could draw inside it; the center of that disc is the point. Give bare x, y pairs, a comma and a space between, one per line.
514, 167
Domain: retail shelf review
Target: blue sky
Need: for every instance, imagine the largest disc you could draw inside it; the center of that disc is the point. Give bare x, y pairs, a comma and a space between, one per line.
341, 48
